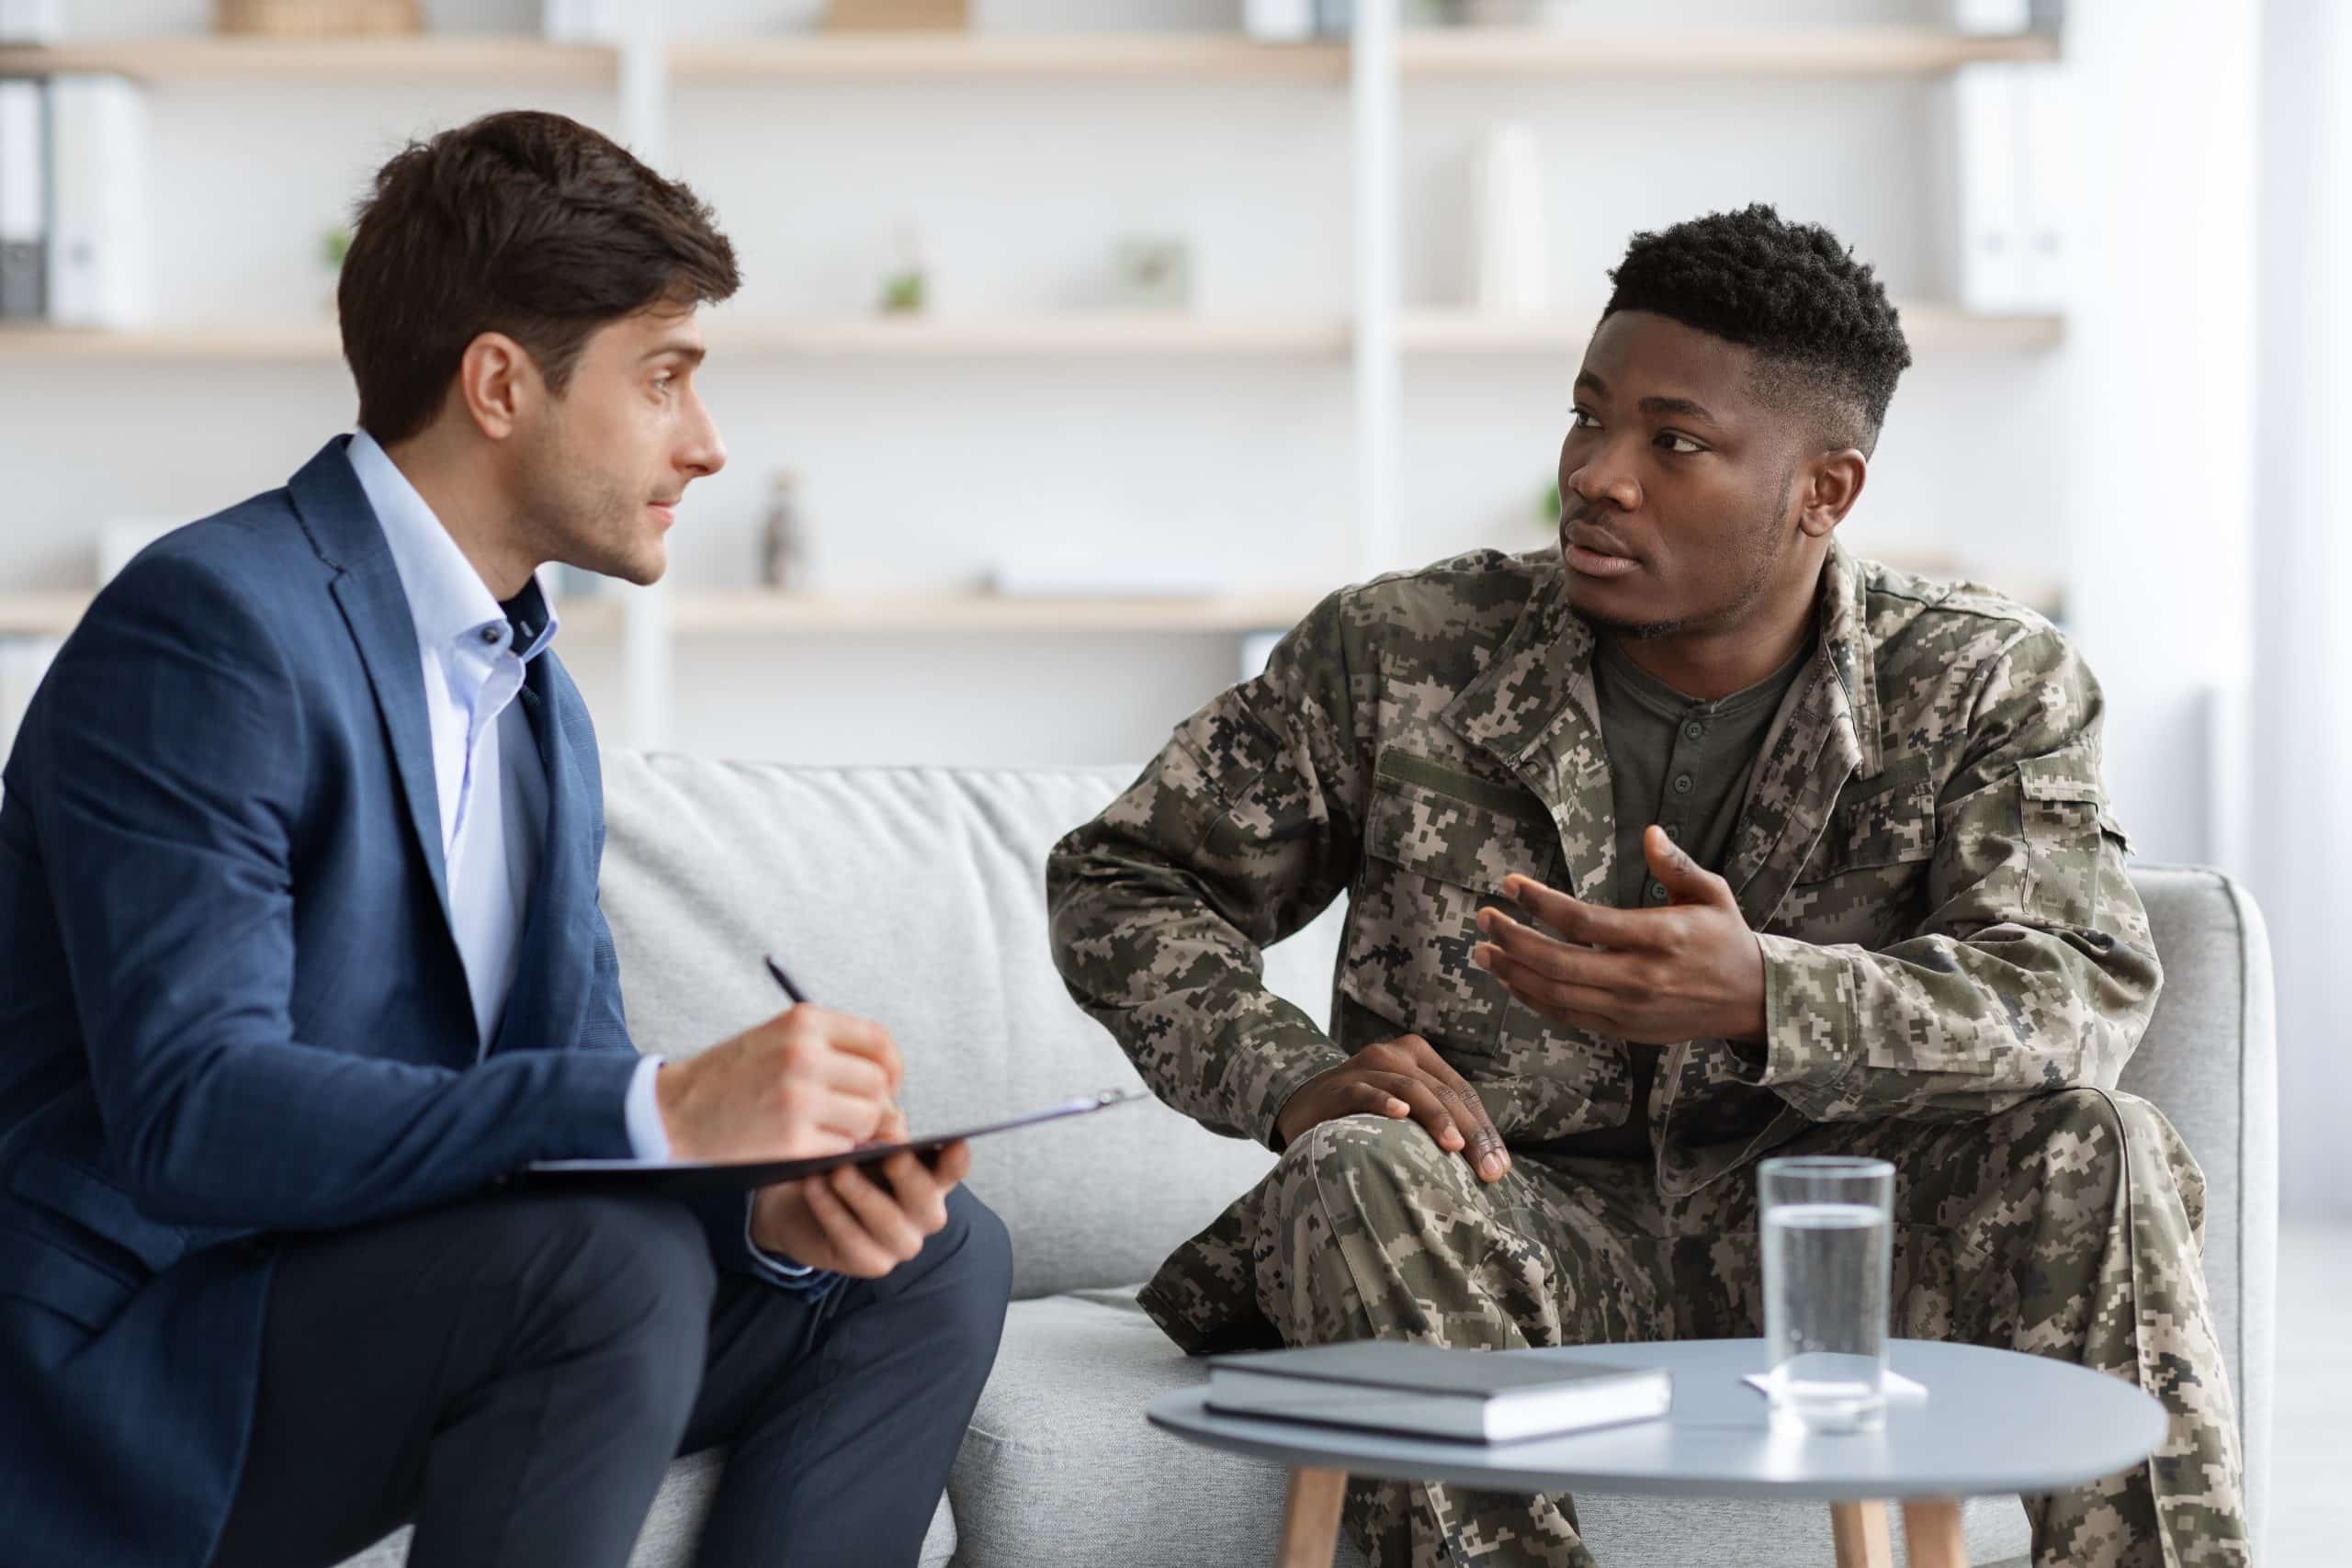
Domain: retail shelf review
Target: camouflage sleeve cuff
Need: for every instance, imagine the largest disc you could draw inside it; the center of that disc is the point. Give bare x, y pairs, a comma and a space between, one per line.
1811, 1037
1279, 1057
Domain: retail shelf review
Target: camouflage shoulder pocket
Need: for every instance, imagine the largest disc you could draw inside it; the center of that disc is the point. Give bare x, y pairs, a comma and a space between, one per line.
2066, 823
1431, 861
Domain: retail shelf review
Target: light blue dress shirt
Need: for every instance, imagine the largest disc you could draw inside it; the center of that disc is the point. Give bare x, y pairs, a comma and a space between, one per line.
486, 772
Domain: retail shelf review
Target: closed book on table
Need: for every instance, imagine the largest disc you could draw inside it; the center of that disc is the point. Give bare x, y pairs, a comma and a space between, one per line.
1423, 1391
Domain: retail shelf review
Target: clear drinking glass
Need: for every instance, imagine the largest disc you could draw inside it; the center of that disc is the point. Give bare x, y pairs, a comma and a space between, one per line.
1829, 1249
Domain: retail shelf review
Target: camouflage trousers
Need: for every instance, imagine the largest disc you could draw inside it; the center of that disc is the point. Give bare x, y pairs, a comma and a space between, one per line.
2068, 1226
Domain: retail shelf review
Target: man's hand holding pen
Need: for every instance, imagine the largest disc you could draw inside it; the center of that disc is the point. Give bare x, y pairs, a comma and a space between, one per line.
807, 1083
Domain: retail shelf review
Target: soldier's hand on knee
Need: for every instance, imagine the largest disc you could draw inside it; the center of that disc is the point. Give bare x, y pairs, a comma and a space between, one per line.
1400, 1078
1690, 970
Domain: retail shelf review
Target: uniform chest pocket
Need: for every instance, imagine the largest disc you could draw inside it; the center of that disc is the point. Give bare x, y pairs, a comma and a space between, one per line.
1882, 822
1432, 861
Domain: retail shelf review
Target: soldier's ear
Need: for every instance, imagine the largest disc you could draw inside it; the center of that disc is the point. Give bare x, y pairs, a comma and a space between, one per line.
1828, 486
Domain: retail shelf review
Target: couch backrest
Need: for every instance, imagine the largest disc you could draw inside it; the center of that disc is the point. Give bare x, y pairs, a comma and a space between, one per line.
915, 895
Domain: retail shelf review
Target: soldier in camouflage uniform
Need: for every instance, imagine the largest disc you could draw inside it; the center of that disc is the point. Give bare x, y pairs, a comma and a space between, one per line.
1560, 1036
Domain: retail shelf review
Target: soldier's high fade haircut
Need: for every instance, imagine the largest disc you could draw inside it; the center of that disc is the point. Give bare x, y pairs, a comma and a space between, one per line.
1819, 320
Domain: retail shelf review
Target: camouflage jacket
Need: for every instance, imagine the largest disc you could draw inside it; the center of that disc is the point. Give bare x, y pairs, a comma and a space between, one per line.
1925, 854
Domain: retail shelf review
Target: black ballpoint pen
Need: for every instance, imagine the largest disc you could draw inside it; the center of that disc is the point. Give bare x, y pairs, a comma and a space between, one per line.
785, 980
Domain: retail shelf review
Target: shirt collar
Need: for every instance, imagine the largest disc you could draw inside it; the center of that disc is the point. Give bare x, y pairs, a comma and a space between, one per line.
448, 600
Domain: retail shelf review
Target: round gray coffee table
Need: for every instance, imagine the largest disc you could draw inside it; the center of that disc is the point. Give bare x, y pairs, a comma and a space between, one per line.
1993, 1422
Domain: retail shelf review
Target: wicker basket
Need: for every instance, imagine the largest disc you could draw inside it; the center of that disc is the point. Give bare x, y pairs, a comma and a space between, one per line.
897, 16
317, 18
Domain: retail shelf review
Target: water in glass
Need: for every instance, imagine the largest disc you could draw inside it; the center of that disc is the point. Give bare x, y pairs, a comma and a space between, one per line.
1827, 1250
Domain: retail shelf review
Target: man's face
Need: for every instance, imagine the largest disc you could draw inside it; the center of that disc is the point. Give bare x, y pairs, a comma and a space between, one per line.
601, 472
1676, 507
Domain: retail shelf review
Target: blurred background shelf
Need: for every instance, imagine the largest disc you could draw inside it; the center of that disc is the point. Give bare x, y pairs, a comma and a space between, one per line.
757, 613
222, 58
752, 612
1804, 51
1929, 326
800, 57
823, 56
1042, 335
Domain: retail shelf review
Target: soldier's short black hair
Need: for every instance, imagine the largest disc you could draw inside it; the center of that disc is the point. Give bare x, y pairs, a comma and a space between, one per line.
1818, 320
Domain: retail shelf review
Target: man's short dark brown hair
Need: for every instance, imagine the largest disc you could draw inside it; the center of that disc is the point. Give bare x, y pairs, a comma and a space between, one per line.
525, 223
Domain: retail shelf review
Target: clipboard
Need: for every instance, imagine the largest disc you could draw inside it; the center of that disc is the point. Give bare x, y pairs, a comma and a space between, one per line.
683, 1179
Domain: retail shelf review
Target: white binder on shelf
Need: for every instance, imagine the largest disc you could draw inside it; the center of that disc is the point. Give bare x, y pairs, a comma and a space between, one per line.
1989, 209
1278, 21
2014, 144
24, 199
97, 237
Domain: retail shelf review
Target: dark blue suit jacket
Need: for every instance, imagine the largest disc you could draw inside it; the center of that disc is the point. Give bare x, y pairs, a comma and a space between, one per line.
233, 1005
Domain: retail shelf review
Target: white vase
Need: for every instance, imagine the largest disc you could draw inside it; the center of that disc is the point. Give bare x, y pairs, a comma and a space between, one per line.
1508, 223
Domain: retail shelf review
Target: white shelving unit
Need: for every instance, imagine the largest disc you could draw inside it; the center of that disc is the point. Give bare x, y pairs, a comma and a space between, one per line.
1376, 340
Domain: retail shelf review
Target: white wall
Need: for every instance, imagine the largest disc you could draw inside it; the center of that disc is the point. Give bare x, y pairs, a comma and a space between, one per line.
919, 473
2302, 686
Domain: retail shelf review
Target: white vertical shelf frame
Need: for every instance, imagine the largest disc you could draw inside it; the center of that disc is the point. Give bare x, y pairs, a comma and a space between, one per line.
647, 644
1373, 93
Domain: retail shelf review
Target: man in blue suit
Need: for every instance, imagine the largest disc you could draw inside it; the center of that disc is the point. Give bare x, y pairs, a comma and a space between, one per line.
297, 897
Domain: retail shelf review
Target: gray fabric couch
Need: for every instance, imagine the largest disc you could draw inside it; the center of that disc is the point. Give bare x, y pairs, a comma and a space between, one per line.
914, 896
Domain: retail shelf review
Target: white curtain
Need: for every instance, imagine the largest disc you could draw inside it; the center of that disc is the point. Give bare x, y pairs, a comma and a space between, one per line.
2300, 784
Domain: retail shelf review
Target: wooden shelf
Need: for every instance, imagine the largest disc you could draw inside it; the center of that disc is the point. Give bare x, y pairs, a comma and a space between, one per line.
41, 614
1934, 327
1839, 51
208, 57
816, 57
755, 612
204, 341
821, 56
751, 613
1041, 335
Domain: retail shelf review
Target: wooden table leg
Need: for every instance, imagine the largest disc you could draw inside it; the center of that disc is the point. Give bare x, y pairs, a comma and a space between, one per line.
1863, 1536
1932, 1533
1311, 1518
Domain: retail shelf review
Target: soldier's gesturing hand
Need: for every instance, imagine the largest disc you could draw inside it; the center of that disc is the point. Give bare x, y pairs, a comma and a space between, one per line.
1689, 971
1397, 1079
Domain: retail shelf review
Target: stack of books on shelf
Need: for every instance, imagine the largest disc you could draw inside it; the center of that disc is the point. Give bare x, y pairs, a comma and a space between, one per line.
73, 201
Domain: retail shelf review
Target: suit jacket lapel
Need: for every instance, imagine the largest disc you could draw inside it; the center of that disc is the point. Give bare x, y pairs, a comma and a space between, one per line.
367, 587
1534, 711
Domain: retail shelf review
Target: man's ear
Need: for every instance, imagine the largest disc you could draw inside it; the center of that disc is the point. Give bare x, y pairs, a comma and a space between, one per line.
1828, 488
497, 382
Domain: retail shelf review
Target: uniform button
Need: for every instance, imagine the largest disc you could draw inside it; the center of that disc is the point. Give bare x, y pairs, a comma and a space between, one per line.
1656, 894
1684, 783
1694, 730
491, 634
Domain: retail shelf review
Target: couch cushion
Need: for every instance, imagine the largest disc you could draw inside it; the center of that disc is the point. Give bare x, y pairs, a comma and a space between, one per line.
675, 1522
1060, 1469
916, 896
